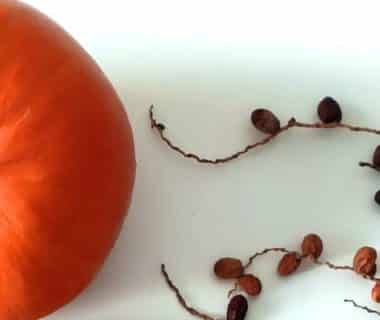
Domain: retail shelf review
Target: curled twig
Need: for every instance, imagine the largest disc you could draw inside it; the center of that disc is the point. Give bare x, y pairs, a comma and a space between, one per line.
292, 123
348, 268
362, 307
261, 253
181, 299
332, 266
159, 127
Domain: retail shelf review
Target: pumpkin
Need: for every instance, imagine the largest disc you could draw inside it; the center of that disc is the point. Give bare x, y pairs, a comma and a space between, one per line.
67, 165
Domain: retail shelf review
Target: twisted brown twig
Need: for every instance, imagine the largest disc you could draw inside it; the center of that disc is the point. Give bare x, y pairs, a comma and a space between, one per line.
332, 266
292, 123
233, 290
347, 268
369, 165
181, 299
362, 307
261, 253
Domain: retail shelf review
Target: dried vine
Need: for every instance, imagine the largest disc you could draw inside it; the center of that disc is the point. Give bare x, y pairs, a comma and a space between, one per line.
362, 307
364, 265
181, 299
301, 256
264, 120
292, 123
264, 252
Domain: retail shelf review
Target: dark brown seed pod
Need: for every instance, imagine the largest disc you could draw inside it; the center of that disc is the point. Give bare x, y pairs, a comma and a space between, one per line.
375, 294
312, 245
377, 197
373, 271
329, 111
228, 268
265, 121
376, 157
250, 284
365, 260
288, 264
160, 127
237, 308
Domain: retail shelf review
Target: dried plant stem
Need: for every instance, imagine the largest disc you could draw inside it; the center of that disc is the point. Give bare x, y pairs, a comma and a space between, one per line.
332, 266
261, 253
348, 268
362, 307
233, 290
203, 316
315, 261
292, 123
369, 165
250, 261
181, 299
318, 262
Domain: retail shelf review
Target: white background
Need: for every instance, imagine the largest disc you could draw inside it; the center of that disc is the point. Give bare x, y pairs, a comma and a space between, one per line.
206, 65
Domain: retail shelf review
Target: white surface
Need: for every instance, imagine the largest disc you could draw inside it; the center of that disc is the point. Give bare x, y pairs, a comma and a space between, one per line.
205, 65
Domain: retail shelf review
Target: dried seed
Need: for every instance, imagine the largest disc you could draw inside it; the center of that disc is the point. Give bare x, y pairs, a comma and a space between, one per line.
373, 271
161, 127
312, 245
376, 157
250, 284
228, 268
265, 121
237, 308
365, 260
375, 294
329, 111
288, 264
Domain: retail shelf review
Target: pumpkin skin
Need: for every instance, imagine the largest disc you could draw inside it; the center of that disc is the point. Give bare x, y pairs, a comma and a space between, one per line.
67, 165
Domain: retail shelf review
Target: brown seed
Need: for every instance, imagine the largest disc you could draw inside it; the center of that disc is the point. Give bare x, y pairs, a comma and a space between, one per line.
265, 121
376, 292
237, 308
250, 284
288, 264
312, 245
377, 197
161, 127
228, 268
365, 260
373, 271
376, 157
329, 111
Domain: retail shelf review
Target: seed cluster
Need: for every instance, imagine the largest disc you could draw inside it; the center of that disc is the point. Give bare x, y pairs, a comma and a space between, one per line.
364, 261
249, 285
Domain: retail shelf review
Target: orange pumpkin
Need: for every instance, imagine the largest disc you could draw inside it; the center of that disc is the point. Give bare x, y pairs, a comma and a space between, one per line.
67, 165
